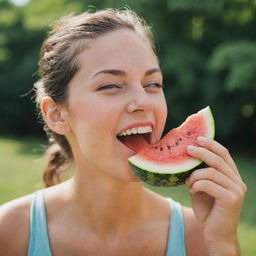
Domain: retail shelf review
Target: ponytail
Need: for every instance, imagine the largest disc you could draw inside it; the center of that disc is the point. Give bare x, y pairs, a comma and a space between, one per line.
57, 160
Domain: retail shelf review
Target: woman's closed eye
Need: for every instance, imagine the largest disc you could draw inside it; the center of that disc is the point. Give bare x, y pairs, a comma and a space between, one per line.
108, 86
114, 86
155, 85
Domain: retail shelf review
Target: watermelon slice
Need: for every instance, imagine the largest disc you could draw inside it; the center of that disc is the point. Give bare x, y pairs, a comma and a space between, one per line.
167, 163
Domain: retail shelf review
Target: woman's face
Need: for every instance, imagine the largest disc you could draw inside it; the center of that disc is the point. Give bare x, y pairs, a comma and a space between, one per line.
114, 89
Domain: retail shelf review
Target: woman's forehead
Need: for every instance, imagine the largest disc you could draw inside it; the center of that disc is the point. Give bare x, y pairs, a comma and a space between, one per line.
123, 50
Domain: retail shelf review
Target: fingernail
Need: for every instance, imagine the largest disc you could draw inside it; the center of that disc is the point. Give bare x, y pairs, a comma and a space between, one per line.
191, 148
201, 140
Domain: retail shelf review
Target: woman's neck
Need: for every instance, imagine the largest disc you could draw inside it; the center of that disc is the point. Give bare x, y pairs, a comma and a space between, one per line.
110, 207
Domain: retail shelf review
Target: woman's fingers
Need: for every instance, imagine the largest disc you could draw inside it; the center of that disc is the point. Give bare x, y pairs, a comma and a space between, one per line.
225, 198
220, 150
213, 175
213, 154
211, 188
212, 160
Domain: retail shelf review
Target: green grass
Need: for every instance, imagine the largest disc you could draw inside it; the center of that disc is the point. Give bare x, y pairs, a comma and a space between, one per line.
19, 167
20, 174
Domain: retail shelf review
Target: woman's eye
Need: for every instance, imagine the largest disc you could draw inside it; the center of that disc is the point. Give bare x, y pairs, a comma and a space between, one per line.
155, 85
108, 86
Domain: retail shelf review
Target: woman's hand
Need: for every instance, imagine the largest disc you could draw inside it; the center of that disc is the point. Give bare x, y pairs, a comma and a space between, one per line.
217, 194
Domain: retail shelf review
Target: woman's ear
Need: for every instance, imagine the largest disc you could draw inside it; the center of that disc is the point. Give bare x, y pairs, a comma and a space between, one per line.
53, 117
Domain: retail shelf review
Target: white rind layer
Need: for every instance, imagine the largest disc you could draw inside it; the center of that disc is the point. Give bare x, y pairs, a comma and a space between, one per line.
184, 165
150, 166
209, 121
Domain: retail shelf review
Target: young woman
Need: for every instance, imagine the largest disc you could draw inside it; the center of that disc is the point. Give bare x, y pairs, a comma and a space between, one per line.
100, 76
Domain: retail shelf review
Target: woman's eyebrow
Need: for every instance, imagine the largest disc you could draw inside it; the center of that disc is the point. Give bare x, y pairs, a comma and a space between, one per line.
117, 72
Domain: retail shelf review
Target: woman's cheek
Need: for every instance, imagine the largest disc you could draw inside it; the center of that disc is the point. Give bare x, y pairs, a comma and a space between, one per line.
162, 111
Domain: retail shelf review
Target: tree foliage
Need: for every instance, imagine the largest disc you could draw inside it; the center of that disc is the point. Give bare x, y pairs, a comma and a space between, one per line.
207, 51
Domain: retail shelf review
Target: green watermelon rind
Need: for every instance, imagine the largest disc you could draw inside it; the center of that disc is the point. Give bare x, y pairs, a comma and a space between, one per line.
175, 178
162, 179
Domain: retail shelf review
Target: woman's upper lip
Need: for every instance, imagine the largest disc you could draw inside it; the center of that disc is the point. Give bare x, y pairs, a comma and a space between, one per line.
137, 124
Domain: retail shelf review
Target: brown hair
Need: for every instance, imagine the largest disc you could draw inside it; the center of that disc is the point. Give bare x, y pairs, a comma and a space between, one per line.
58, 64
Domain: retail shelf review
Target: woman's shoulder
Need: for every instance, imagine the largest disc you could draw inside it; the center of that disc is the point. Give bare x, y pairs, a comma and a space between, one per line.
14, 226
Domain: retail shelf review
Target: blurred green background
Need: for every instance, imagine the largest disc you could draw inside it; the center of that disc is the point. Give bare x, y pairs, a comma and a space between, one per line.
207, 51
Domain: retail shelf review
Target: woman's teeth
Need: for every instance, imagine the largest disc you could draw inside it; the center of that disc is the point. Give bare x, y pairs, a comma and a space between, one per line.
137, 130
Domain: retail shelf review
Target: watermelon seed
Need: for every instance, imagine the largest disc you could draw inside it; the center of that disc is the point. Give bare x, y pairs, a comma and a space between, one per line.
188, 133
161, 148
168, 147
177, 143
180, 139
155, 147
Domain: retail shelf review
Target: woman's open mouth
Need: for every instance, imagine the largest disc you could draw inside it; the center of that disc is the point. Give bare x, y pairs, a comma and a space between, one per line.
136, 140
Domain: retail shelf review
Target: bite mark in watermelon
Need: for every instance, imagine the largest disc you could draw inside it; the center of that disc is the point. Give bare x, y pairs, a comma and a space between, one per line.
166, 163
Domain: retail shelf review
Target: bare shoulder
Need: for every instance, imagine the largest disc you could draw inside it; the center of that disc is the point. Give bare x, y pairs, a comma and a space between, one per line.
194, 240
14, 226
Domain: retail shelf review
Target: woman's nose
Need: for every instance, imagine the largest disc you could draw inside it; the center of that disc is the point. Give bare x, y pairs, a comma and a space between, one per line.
139, 100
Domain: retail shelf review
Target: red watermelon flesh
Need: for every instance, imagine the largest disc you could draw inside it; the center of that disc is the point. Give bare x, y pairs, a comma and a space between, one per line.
172, 147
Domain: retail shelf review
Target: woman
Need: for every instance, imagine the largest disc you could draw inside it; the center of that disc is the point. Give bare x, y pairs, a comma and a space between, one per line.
100, 76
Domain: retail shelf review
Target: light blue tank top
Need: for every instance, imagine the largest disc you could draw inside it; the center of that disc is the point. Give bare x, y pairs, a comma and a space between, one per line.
39, 244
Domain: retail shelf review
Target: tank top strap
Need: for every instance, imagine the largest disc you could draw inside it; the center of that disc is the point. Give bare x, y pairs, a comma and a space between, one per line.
38, 241
176, 241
